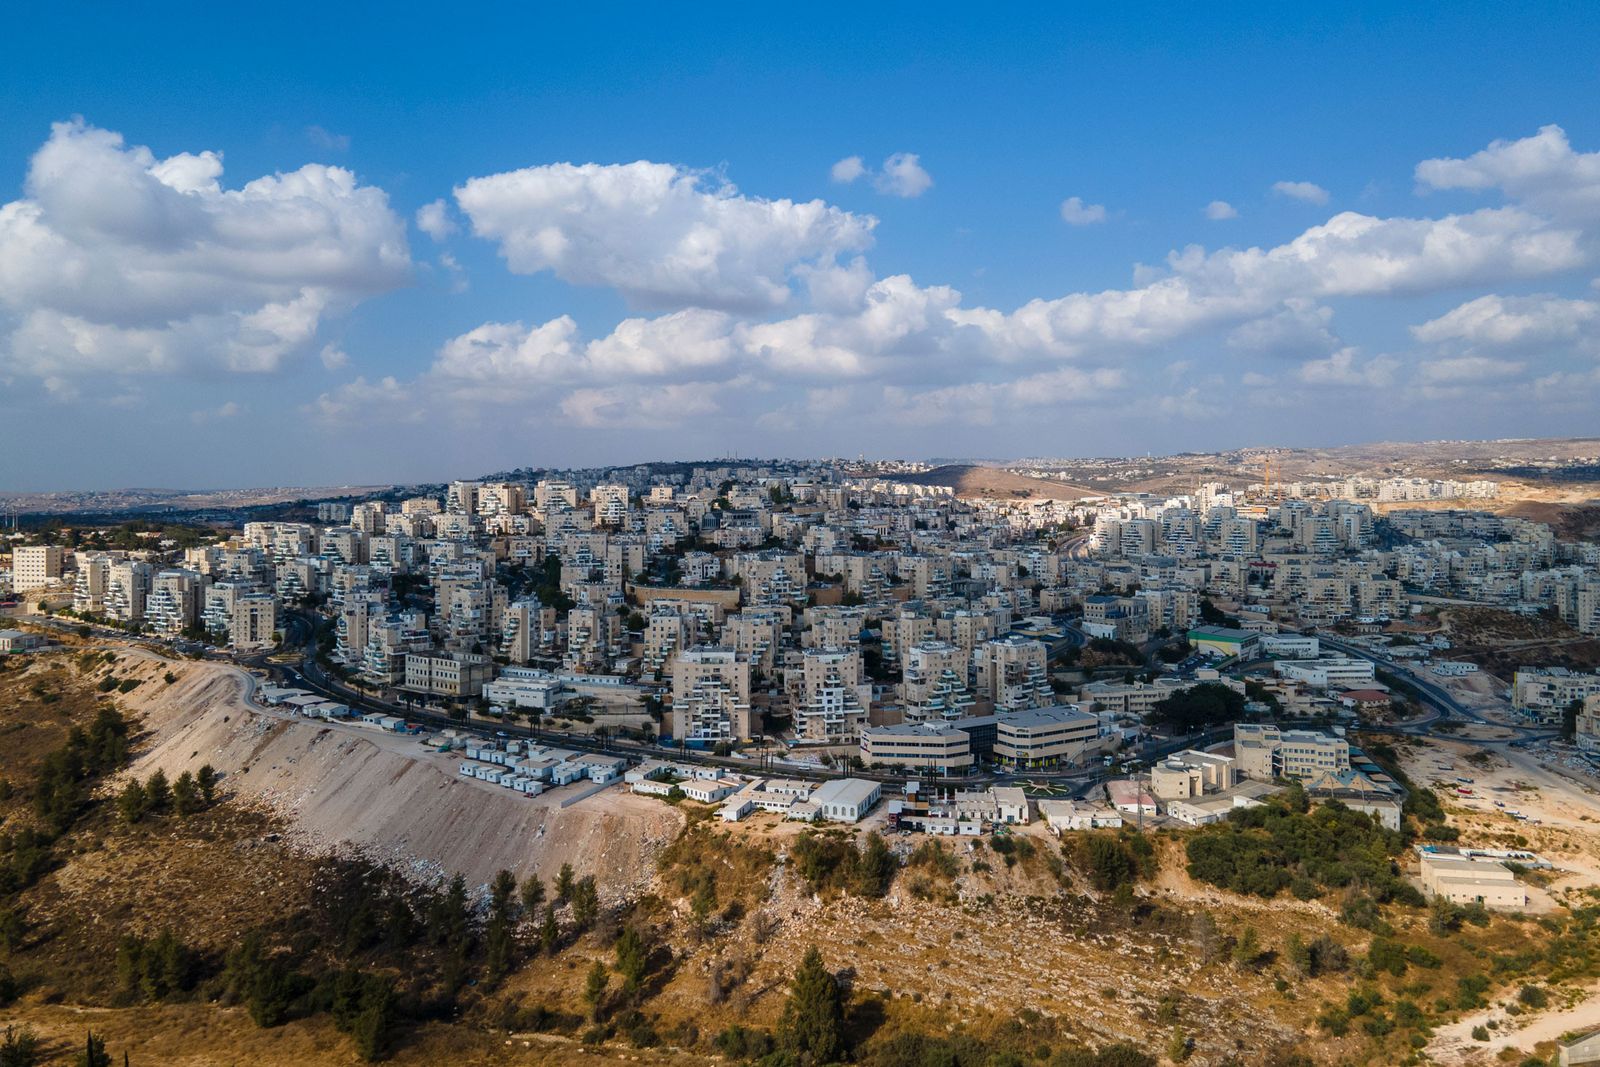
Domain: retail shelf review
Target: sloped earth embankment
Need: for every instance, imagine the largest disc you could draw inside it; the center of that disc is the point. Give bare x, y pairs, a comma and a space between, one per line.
341, 792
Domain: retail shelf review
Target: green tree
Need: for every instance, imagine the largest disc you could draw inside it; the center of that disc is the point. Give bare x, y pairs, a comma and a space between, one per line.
499, 937
1247, 950
20, 1048
594, 990
875, 868
532, 895
549, 931
633, 957
812, 1026
373, 1026
585, 903
158, 793
185, 795
564, 882
206, 779
93, 1053
131, 802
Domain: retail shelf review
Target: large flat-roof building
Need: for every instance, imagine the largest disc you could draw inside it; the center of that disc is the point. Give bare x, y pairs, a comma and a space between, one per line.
845, 799
1225, 641
1266, 752
1045, 737
1464, 879
918, 747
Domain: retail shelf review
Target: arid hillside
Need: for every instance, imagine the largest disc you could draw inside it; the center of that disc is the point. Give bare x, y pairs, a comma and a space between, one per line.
972, 481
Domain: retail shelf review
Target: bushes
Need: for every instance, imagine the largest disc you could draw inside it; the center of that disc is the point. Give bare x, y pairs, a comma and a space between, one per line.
933, 856
154, 970
1262, 850
1111, 861
1206, 704
832, 862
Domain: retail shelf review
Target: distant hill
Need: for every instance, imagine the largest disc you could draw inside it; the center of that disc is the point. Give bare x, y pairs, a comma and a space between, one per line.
970, 480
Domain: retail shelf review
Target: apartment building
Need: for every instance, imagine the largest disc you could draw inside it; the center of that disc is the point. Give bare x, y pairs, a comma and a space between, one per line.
1012, 673
89, 585
1265, 752
1543, 694
175, 601
831, 704
610, 504
710, 695
934, 682
254, 622
35, 566
128, 585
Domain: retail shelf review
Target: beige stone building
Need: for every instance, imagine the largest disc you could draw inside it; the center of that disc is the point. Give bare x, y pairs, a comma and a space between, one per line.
710, 695
35, 566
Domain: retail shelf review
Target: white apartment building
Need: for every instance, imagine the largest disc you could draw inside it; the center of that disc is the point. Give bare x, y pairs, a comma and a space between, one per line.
35, 566
710, 695
832, 703
1544, 693
1013, 673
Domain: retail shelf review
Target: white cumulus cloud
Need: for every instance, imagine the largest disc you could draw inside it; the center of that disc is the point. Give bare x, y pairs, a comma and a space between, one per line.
902, 175
1220, 211
116, 261
435, 221
847, 170
661, 235
1310, 192
1074, 212
1510, 322
1542, 171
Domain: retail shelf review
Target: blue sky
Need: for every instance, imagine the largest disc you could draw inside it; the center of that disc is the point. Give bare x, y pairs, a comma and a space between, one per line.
709, 287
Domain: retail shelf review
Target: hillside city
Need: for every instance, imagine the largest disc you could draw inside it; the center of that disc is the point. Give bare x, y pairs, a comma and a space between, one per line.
878, 647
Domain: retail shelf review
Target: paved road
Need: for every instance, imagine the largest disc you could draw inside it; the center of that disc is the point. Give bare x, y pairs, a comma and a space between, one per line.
1443, 705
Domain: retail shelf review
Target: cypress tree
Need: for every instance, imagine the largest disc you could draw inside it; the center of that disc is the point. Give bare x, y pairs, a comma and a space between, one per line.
812, 1027
594, 991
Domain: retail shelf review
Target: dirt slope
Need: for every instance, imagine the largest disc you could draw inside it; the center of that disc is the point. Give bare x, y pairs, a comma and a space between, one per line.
388, 799
989, 482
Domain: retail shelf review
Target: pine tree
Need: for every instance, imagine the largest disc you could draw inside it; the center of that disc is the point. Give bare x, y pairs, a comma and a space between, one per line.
874, 868
498, 938
207, 781
131, 802
812, 1027
185, 795
594, 991
371, 1028
20, 1048
633, 957
1248, 948
549, 931
502, 893
157, 793
585, 903
532, 895
94, 1053
564, 883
